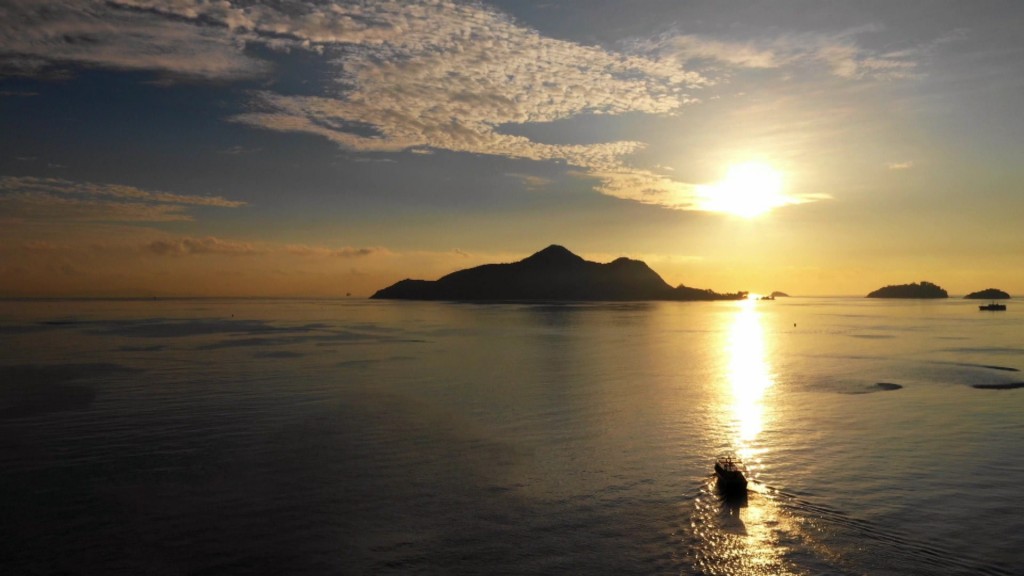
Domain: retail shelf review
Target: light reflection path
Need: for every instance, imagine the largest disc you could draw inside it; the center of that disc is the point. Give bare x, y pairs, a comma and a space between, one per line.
757, 536
749, 375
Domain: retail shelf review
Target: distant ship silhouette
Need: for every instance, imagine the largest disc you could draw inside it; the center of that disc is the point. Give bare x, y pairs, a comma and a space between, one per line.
554, 273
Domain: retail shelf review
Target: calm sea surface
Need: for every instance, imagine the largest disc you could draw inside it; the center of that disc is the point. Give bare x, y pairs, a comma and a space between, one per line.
365, 437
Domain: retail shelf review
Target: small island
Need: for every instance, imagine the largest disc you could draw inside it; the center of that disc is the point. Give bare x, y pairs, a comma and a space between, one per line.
988, 294
923, 290
556, 274
778, 294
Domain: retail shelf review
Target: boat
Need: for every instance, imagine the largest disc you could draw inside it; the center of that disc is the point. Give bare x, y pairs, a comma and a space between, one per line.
730, 472
992, 306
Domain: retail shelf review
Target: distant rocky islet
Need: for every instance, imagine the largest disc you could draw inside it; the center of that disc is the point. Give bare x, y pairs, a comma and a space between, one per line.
988, 294
554, 274
924, 289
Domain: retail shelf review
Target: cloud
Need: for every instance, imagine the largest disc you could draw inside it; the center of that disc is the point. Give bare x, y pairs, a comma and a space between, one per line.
207, 245
209, 39
459, 72
900, 165
647, 188
423, 76
840, 53
54, 199
326, 252
122, 242
691, 48
27, 206
416, 75
30, 184
38, 34
532, 182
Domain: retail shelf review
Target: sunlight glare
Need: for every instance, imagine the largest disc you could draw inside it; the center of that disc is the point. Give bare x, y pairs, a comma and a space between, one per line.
749, 373
748, 190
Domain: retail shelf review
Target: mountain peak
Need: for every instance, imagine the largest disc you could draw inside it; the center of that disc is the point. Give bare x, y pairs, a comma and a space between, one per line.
553, 255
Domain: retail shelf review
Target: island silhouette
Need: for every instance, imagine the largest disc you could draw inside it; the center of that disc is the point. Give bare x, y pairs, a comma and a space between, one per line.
554, 273
923, 290
988, 294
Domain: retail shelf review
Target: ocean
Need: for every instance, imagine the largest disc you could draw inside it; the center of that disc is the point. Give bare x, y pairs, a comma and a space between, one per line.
227, 436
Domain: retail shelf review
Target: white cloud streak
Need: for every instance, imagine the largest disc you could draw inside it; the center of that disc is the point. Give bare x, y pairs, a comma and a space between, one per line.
839, 53
30, 198
531, 181
207, 245
326, 252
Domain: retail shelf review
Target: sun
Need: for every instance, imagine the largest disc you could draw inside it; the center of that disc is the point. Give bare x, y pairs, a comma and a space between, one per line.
748, 190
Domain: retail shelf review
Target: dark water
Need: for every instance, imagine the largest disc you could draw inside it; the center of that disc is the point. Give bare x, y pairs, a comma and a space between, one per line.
359, 437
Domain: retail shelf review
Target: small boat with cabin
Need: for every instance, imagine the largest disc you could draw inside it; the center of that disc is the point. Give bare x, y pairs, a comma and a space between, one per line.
730, 472
993, 306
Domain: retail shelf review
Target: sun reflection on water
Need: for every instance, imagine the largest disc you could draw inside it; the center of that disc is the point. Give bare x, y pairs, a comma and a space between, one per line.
749, 376
753, 537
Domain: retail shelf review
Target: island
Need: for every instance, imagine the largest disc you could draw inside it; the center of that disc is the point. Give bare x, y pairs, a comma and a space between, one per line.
988, 294
922, 290
554, 273
778, 294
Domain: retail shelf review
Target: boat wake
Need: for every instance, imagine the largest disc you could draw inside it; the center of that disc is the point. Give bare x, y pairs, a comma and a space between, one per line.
776, 532
754, 536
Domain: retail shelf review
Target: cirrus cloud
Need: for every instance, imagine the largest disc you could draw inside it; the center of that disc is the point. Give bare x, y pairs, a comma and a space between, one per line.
38, 34
906, 165
55, 199
327, 252
207, 245
840, 53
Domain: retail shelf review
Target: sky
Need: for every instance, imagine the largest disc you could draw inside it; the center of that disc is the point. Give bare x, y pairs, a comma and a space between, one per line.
324, 149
